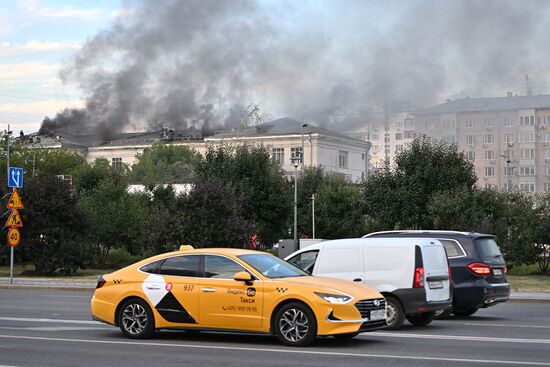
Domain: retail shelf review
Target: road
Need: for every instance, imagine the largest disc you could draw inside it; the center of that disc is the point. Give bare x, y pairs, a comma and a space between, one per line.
42, 327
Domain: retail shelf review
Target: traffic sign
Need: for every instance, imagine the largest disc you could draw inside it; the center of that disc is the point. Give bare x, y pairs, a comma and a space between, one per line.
15, 201
14, 237
14, 220
15, 177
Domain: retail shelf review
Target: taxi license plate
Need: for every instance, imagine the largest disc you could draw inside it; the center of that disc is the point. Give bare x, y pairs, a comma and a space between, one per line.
378, 315
436, 285
497, 272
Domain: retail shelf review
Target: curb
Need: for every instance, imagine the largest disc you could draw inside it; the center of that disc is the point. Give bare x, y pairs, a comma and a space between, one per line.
55, 287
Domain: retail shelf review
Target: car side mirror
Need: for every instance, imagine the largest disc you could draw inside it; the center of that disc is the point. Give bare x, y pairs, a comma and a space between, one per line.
243, 276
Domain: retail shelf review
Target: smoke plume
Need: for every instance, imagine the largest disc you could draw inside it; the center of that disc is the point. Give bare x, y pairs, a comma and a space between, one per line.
195, 63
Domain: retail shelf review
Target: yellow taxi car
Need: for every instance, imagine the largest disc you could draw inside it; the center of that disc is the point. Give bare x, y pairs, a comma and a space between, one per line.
234, 289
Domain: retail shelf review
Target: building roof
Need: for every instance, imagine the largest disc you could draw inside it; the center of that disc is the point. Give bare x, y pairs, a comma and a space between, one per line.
488, 104
282, 126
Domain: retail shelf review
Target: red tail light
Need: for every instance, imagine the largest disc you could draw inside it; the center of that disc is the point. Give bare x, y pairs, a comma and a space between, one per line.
450, 273
480, 268
100, 282
418, 278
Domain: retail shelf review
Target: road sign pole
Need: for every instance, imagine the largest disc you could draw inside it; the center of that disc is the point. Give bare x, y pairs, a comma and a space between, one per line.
8, 169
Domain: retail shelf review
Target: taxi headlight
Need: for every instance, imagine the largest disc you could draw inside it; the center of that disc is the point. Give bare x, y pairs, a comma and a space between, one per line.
338, 299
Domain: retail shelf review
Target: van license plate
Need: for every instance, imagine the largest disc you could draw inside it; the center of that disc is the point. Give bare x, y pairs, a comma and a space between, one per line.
497, 272
377, 315
436, 285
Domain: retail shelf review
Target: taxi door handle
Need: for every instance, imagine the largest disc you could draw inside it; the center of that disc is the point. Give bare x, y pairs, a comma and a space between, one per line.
152, 288
208, 290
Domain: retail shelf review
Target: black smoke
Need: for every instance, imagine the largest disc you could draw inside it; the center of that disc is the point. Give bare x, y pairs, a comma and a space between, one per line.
194, 63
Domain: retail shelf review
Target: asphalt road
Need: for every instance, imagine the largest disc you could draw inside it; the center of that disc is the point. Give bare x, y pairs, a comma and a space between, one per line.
43, 327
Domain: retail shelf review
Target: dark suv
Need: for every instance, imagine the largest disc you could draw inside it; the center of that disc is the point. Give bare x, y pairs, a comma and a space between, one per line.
478, 270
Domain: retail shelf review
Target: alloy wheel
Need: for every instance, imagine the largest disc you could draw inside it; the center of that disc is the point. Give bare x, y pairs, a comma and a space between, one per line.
134, 318
293, 325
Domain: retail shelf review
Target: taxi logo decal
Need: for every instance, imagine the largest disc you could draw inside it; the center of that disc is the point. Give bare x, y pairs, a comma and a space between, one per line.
117, 281
251, 292
281, 290
160, 295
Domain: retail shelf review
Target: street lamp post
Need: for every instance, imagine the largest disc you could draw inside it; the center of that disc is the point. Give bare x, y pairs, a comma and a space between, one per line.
509, 173
303, 155
296, 163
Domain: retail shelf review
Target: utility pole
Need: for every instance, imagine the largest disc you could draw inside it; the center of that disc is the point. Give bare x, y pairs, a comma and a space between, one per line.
296, 163
313, 215
303, 155
508, 171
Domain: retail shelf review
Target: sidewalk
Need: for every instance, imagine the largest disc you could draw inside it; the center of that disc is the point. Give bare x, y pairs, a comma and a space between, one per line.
90, 284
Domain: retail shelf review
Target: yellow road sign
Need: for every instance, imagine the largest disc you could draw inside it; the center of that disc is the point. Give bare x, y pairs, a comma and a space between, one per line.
14, 237
14, 220
15, 201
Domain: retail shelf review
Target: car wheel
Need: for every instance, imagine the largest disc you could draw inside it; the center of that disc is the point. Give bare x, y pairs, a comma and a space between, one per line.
345, 336
421, 319
295, 325
136, 319
395, 316
463, 312
443, 314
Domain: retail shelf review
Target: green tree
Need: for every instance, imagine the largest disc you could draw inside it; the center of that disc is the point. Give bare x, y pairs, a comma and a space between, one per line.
115, 217
165, 163
211, 216
401, 195
256, 181
54, 226
89, 176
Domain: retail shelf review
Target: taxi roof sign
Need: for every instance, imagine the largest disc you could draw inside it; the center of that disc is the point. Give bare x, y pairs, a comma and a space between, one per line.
186, 248
15, 201
14, 220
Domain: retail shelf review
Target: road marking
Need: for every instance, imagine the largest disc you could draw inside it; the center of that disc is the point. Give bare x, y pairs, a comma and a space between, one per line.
287, 351
61, 321
504, 325
52, 328
460, 337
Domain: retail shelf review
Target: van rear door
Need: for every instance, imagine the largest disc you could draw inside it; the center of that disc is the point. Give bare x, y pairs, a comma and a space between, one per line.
436, 272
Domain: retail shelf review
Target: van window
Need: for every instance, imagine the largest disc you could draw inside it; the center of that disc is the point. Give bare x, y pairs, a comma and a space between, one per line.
339, 260
305, 260
452, 248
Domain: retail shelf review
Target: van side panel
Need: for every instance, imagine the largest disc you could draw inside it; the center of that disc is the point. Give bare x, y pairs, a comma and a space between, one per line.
388, 268
436, 267
340, 262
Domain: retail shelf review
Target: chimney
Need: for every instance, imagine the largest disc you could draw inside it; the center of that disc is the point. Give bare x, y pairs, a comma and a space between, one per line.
508, 94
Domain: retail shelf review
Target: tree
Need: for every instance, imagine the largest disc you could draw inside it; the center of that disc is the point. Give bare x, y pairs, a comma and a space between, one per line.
256, 180
162, 164
401, 196
115, 217
54, 225
212, 216
89, 176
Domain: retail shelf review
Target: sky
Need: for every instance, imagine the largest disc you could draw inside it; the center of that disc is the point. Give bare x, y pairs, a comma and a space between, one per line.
123, 65
36, 38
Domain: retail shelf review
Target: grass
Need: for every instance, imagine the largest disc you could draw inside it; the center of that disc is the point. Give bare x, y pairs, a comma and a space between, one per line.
27, 271
529, 283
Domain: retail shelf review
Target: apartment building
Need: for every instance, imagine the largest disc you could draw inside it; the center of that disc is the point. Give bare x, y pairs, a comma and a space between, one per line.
507, 138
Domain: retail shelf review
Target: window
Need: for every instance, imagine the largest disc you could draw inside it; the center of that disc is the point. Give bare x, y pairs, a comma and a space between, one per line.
546, 187
398, 136
527, 137
453, 248
547, 170
305, 260
116, 163
527, 154
508, 138
152, 268
527, 170
386, 138
409, 124
470, 139
508, 122
278, 155
184, 266
449, 139
527, 186
342, 159
399, 124
489, 171
374, 136
547, 153
470, 124
296, 152
408, 134
489, 139
449, 124
489, 155
399, 148
429, 125
547, 136
489, 186
508, 171
526, 120
271, 266
547, 120
220, 267
489, 122
508, 154
471, 155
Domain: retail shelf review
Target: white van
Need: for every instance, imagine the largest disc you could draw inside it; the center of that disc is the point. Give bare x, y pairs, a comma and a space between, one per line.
411, 273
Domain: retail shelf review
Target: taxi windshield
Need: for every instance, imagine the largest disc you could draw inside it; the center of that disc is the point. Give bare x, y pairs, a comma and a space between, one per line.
271, 266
